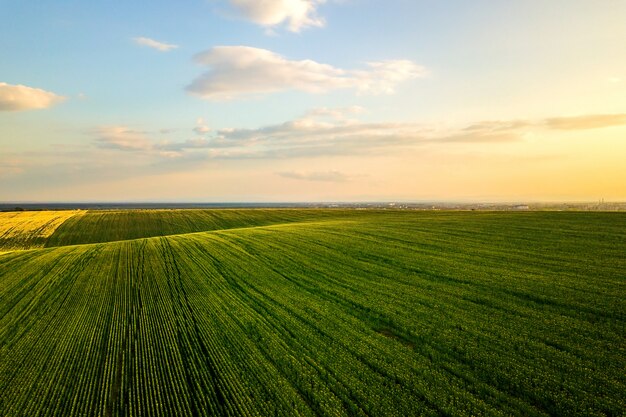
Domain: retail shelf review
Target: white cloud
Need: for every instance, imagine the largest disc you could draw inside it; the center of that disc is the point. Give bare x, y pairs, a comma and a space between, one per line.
236, 71
20, 97
384, 76
151, 43
295, 14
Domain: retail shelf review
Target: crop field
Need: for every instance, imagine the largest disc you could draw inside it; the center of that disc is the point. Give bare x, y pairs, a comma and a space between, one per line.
24, 230
313, 312
107, 226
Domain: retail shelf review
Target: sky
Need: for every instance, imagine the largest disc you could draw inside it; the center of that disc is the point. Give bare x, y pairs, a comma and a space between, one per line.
312, 100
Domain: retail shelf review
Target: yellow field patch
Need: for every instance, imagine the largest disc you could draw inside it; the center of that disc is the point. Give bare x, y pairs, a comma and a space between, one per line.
29, 229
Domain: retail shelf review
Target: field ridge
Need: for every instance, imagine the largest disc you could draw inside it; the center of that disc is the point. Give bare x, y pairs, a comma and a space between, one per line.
216, 231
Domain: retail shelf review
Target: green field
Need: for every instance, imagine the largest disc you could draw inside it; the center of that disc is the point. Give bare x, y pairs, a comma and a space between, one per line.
313, 312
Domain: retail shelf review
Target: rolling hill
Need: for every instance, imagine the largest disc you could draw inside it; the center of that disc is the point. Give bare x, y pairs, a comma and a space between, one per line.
313, 312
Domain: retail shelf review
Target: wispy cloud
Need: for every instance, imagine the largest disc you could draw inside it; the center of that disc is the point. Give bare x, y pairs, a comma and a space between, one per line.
196, 143
20, 97
122, 138
497, 131
324, 176
337, 113
151, 43
295, 14
583, 122
320, 131
306, 149
334, 132
328, 131
594, 121
239, 71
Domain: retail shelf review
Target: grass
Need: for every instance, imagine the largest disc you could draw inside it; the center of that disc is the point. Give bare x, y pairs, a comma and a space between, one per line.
322, 313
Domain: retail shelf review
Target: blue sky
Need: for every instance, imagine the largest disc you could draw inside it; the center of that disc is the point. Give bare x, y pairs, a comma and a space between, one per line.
311, 100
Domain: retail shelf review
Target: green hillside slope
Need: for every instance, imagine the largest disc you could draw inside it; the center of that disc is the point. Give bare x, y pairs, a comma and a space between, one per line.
393, 313
98, 226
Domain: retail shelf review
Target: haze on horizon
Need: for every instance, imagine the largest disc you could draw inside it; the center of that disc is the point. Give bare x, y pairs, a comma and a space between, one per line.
312, 100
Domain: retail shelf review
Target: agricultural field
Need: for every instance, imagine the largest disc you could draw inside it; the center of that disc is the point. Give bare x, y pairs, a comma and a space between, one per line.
31, 229
112, 225
314, 313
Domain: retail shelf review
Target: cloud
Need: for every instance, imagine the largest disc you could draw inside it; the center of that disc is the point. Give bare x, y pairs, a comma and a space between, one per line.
584, 122
201, 127
197, 143
321, 131
344, 114
490, 131
320, 139
20, 97
236, 71
151, 43
295, 14
333, 132
495, 126
326, 176
384, 76
482, 137
123, 138
316, 136
594, 121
